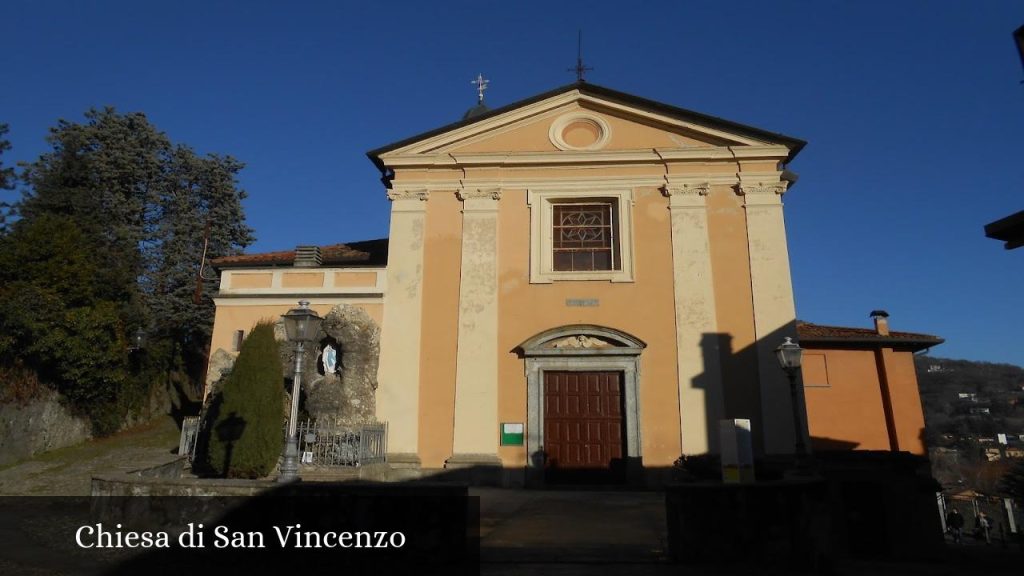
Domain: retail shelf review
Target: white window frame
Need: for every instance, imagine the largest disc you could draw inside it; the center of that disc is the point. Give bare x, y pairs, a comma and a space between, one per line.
541, 234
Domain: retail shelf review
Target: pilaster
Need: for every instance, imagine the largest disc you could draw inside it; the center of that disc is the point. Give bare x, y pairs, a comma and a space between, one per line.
699, 376
476, 382
774, 309
398, 377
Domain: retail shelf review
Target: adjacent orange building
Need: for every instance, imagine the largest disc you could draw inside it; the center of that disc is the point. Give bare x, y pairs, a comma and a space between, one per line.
583, 282
860, 387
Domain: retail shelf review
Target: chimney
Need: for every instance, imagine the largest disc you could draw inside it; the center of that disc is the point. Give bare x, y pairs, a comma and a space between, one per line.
881, 318
307, 256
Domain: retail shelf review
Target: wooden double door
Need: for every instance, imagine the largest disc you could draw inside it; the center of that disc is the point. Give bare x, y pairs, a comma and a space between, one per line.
584, 428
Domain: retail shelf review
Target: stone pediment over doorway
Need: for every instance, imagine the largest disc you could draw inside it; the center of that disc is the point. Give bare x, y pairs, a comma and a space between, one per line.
582, 351
581, 339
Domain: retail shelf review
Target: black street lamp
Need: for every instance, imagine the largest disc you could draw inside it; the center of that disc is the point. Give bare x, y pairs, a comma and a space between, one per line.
138, 341
301, 325
790, 355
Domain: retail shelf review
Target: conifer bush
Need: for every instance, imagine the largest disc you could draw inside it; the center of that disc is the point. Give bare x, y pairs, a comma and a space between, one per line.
246, 437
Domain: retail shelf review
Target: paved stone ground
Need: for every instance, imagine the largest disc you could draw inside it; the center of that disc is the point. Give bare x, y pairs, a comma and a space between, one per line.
564, 533
69, 471
538, 526
567, 532
551, 533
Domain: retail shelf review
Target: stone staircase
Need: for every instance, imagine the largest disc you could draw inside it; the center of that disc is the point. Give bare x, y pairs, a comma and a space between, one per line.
329, 474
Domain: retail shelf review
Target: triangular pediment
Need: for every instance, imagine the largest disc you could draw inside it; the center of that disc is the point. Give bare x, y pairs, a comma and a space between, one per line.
583, 118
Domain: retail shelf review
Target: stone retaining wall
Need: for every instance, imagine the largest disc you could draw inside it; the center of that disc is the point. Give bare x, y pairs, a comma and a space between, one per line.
38, 426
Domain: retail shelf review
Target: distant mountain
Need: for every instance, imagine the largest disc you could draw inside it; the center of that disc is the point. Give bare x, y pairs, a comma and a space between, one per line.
964, 399
966, 406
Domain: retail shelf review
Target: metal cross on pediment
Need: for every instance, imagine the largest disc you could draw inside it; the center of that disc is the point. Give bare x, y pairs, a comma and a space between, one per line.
481, 85
579, 69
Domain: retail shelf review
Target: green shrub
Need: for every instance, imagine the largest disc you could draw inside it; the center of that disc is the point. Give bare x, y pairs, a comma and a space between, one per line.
19, 385
246, 437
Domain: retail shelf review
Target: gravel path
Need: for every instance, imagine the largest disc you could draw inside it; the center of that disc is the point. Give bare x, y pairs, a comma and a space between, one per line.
69, 471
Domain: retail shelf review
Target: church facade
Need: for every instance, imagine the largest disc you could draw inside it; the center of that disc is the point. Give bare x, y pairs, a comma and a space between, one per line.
581, 281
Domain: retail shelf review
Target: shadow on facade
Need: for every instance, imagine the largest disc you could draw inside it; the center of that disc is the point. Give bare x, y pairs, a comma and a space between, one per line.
851, 503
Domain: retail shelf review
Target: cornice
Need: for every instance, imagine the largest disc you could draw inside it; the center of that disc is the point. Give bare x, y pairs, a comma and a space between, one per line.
475, 193
422, 194
562, 157
760, 151
686, 189
747, 189
599, 103
565, 184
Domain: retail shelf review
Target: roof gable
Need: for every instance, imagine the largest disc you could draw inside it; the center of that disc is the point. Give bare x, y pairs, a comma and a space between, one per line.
535, 114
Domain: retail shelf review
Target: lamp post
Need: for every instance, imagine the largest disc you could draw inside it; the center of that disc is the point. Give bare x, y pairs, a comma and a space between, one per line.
301, 325
136, 346
790, 355
138, 341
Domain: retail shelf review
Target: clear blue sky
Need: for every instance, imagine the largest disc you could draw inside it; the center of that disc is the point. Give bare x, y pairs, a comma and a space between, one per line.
912, 110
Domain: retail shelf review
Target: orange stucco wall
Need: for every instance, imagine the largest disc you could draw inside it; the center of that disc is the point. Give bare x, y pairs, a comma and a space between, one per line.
302, 280
848, 413
526, 309
626, 135
442, 257
251, 280
515, 153
230, 318
643, 308
906, 400
355, 279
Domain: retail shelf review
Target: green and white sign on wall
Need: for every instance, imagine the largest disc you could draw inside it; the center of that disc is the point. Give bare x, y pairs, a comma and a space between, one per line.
511, 433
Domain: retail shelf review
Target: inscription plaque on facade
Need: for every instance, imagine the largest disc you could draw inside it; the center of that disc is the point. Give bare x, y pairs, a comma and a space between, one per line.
582, 302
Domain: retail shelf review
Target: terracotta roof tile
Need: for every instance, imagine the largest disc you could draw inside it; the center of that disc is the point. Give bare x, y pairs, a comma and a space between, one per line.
366, 253
812, 333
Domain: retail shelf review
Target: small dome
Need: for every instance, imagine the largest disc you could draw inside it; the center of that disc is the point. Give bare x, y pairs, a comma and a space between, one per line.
475, 111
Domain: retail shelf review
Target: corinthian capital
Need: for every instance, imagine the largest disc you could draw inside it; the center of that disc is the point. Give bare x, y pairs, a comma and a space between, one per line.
421, 194
690, 189
749, 188
479, 193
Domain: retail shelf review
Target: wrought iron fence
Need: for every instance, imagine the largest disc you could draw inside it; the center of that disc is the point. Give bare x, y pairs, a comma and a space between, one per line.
329, 445
373, 443
189, 435
1006, 518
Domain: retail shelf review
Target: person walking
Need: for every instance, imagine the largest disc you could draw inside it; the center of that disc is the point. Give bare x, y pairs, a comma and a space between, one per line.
955, 523
985, 525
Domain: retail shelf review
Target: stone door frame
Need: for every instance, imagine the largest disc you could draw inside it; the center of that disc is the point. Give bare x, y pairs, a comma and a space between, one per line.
602, 350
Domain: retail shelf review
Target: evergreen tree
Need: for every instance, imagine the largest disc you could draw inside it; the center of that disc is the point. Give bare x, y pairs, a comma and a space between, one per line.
6, 176
200, 217
246, 435
143, 208
52, 320
105, 175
